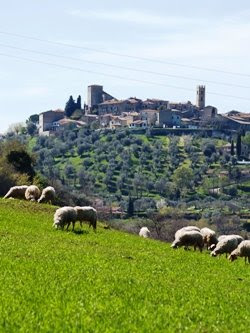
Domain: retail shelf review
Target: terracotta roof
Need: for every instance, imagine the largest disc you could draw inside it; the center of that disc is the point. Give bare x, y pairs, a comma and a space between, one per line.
112, 101
66, 121
236, 120
138, 122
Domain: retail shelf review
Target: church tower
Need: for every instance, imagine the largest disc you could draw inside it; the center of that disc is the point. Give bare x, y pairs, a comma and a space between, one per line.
200, 96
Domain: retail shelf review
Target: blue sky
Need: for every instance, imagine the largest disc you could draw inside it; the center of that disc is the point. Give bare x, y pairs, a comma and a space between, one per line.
210, 34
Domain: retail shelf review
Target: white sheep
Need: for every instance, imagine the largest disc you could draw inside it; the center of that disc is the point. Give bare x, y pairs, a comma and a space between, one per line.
64, 216
17, 192
239, 240
144, 232
189, 238
226, 244
87, 214
243, 250
188, 228
209, 237
48, 195
32, 193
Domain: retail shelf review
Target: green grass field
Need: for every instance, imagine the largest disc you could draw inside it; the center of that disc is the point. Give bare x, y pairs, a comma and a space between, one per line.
55, 281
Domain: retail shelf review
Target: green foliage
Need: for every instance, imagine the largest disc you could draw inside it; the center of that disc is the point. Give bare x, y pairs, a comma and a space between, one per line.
34, 118
183, 177
238, 145
16, 165
70, 107
21, 161
130, 210
54, 281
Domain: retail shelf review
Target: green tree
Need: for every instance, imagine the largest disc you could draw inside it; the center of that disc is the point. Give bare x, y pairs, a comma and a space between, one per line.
79, 103
232, 148
70, 107
183, 177
34, 118
130, 210
31, 128
238, 145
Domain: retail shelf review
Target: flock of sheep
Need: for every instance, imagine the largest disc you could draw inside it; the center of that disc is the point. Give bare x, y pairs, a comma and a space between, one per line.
31, 193
63, 216
233, 245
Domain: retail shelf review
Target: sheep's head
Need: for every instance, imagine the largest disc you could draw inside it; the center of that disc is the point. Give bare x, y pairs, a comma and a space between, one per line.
174, 245
56, 225
232, 257
213, 254
40, 200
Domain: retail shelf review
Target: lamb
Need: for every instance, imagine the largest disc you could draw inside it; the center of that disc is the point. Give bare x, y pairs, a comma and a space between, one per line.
48, 195
144, 232
86, 213
32, 193
226, 245
17, 192
243, 250
209, 237
64, 216
189, 238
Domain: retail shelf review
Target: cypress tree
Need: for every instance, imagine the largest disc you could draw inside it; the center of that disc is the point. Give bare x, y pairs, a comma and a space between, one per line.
70, 107
232, 148
238, 145
79, 103
130, 210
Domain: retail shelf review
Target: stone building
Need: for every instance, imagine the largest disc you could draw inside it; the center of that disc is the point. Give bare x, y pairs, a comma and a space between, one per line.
208, 113
96, 95
47, 121
117, 107
168, 118
200, 97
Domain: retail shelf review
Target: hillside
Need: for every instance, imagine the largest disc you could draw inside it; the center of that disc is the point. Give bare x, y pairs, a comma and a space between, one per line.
54, 281
116, 164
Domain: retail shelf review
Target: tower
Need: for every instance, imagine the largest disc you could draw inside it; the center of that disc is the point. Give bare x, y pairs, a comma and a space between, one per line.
95, 97
200, 96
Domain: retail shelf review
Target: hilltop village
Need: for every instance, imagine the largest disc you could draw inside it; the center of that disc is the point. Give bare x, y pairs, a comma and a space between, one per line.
102, 110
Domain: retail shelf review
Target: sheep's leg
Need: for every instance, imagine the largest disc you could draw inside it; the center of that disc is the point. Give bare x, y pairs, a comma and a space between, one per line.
68, 224
194, 247
249, 259
73, 226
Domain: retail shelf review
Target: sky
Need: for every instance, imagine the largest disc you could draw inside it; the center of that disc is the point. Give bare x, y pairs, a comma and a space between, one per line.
148, 49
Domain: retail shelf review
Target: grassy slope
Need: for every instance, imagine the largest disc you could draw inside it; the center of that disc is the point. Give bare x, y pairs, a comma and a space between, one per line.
53, 281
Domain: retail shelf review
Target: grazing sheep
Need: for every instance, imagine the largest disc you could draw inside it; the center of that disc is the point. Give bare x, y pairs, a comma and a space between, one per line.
188, 228
226, 244
87, 214
189, 238
239, 240
209, 237
243, 250
48, 195
144, 232
17, 192
32, 193
64, 216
